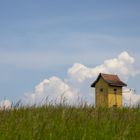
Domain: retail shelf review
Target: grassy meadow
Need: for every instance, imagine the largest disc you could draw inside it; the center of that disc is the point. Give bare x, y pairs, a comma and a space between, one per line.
69, 123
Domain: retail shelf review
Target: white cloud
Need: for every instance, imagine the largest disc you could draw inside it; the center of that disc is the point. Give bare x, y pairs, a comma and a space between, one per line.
130, 98
80, 77
122, 65
54, 89
5, 104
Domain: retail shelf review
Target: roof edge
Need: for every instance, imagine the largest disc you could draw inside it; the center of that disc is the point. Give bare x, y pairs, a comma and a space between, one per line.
111, 84
94, 83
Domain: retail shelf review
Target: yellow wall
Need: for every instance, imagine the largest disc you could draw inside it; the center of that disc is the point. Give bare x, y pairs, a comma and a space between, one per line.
111, 96
101, 97
107, 96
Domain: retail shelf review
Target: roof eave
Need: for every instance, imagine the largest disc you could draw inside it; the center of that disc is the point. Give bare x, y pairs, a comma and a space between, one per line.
122, 84
93, 84
117, 85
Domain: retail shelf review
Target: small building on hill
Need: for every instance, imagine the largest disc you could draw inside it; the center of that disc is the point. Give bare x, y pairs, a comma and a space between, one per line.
108, 90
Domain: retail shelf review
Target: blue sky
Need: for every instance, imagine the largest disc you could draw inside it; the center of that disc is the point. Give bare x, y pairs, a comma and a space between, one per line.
43, 38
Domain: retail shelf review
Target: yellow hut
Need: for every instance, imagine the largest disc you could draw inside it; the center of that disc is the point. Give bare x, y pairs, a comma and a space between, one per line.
108, 90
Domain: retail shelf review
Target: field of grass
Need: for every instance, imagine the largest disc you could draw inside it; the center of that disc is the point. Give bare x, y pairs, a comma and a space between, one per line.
69, 123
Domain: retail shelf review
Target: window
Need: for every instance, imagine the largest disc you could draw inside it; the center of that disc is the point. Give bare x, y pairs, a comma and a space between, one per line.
101, 89
115, 90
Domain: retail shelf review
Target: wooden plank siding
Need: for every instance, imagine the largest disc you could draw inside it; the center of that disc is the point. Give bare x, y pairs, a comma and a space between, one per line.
101, 96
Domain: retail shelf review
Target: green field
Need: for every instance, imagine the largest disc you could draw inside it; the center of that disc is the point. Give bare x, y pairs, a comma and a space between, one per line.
69, 123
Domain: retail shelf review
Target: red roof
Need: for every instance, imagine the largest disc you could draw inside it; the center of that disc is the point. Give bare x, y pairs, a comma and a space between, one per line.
112, 80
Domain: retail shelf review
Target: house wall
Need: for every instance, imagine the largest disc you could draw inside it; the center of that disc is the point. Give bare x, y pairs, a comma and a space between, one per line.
111, 96
101, 96
107, 96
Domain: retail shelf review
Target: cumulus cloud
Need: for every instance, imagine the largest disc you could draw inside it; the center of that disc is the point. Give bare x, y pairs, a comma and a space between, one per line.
122, 65
130, 98
54, 90
77, 84
5, 104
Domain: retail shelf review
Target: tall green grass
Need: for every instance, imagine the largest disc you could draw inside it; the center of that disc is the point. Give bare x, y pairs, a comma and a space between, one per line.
70, 123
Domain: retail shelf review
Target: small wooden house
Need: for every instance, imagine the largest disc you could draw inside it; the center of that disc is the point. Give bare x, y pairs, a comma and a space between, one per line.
108, 90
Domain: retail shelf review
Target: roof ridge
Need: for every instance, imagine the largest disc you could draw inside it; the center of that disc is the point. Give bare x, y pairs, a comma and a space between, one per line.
108, 74
111, 79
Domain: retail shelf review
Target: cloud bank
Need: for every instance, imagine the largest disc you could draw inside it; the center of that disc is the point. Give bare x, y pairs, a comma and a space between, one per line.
130, 98
77, 83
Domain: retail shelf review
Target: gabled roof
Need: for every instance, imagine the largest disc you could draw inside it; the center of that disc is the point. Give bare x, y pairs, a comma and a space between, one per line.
112, 80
